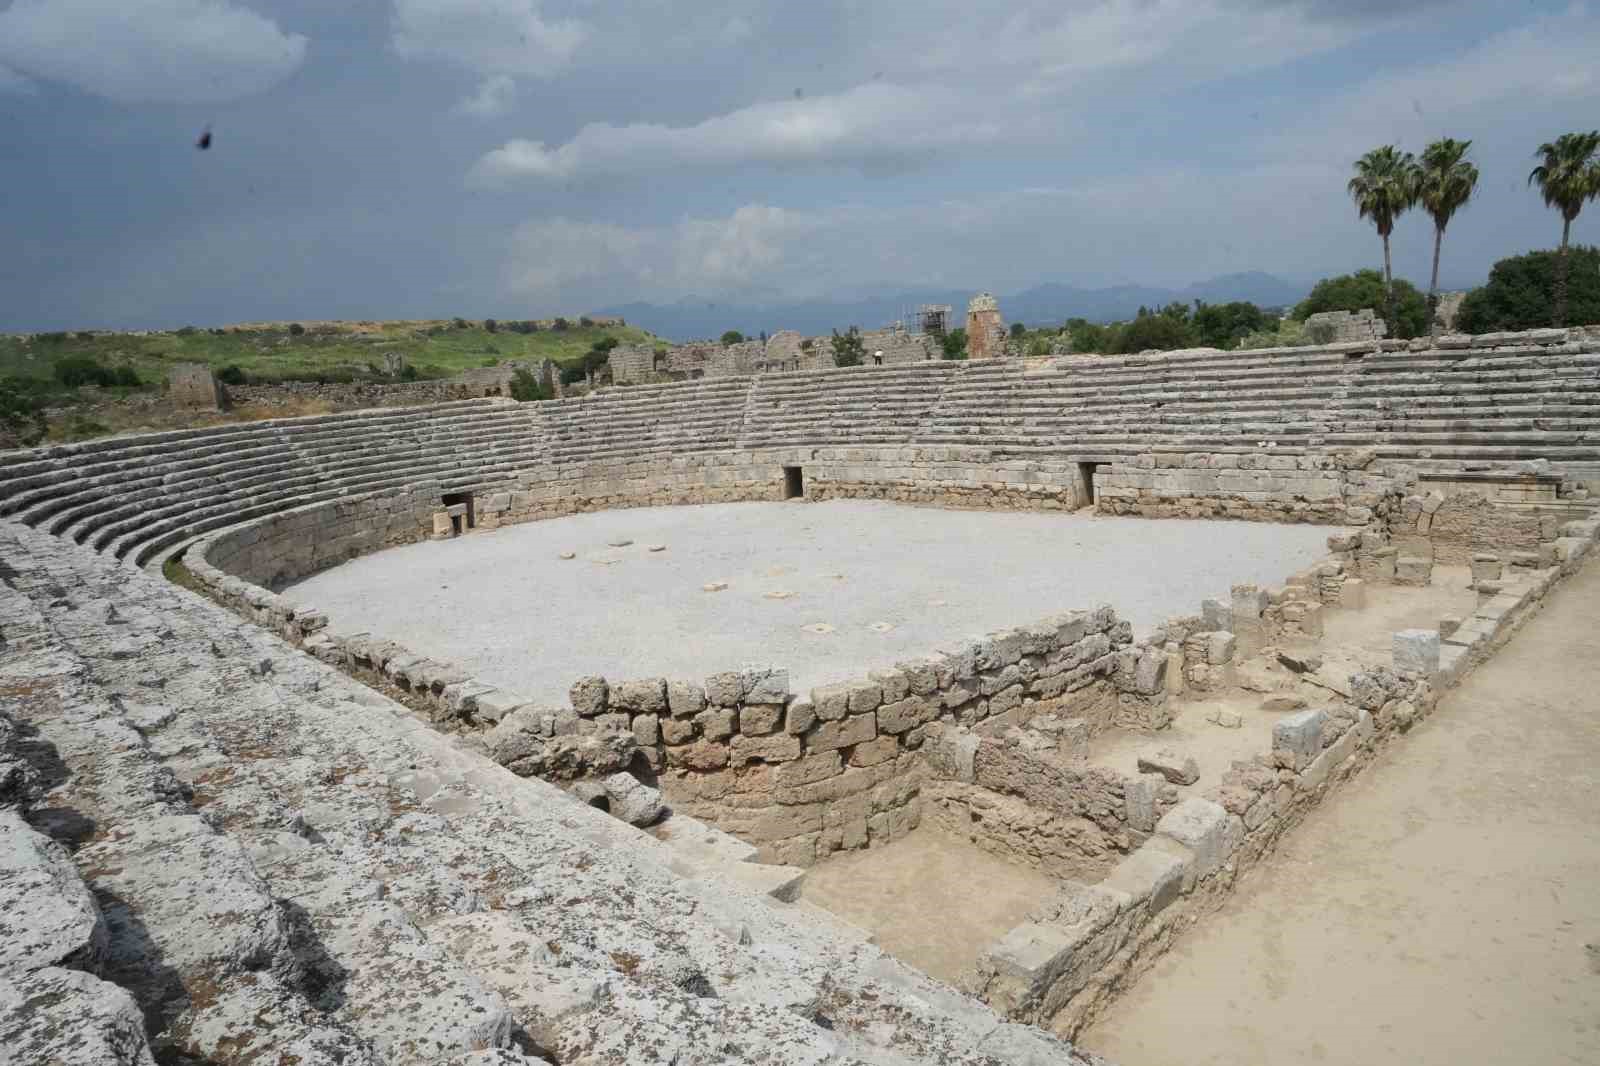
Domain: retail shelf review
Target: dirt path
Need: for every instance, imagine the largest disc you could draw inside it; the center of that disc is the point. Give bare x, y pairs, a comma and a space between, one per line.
1445, 909
933, 901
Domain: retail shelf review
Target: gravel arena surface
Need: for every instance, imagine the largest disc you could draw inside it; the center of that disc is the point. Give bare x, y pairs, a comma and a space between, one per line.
829, 590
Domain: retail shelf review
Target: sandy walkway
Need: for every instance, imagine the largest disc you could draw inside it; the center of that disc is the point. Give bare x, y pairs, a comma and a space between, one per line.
1440, 911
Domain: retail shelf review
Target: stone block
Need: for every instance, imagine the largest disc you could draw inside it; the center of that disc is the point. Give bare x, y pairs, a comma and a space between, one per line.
684, 699
952, 753
1248, 603
776, 748
1448, 625
831, 702
1299, 737
1150, 674
1150, 876
1220, 647
725, 689
676, 730
589, 696
875, 751
759, 719
645, 696
1413, 570
1353, 594
493, 706
1205, 829
766, 685
1226, 719
1416, 651
717, 723
906, 714
1216, 616
1178, 769
1485, 567
800, 716
646, 730
1139, 800
856, 729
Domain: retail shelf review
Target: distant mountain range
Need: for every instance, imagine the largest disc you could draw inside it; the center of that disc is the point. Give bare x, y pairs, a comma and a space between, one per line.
1041, 305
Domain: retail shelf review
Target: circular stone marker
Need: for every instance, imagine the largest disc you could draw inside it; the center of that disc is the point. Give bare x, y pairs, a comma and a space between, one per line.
779, 594
821, 628
620, 542
713, 586
568, 555
881, 627
656, 547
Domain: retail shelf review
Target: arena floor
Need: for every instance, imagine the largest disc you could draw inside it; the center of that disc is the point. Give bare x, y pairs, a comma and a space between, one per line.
828, 590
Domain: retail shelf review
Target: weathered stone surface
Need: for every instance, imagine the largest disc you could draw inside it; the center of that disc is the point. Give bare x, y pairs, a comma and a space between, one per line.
826, 736
47, 916
588, 696
648, 696
1299, 737
1416, 651
633, 801
685, 699
1204, 828
1176, 768
70, 1018
1148, 874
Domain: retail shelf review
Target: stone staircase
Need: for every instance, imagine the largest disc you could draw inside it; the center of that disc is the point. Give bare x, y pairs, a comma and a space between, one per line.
851, 405
646, 421
133, 497
214, 848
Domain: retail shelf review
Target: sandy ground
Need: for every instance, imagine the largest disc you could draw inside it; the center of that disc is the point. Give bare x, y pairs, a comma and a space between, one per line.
1394, 607
881, 581
1443, 909
933, 901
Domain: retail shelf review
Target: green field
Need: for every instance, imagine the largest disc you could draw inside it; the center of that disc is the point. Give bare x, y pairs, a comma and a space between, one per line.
329, 351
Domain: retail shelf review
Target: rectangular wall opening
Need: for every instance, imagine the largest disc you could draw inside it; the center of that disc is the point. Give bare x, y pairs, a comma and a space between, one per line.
1086, 496
459, 504
794, 485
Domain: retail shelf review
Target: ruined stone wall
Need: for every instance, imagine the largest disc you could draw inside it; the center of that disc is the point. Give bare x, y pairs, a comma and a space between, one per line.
1264, 486
353, 395
632, 364
1344, 327
887, 347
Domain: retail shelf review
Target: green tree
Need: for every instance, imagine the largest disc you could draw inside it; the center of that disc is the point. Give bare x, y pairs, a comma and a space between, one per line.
22, 422
1567, 176
1384, 188
1365, 288
1520, 292
1017, 330
1445, 182
1163, 330
1224, 325
296, 329
732, 336
954, 344
490, 325
847, 347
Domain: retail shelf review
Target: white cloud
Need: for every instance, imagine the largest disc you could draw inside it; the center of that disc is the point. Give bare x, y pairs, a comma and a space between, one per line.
155, 50
871, 123
962, 76
493, 98
507, 37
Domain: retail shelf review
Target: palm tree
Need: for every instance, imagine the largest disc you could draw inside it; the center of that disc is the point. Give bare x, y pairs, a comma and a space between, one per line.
1384, 187
1567, 177
1445, 182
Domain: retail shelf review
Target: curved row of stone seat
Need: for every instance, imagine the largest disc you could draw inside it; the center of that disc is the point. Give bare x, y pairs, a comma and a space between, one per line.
291, 868
647, 420
848, 405
194, 482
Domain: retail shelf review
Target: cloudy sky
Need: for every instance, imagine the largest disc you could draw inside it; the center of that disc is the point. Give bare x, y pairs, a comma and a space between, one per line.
515, 158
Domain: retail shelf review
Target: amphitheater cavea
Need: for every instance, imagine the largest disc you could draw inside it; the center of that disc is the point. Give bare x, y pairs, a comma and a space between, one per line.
998, 711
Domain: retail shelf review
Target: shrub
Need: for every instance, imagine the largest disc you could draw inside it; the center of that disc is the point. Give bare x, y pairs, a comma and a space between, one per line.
296, 329
50, 338
954, 344
585, 321
75, 371
1224, 325
22, 422
458, 323
561, 325
1161, 330
1039, 346
732, 336
490, 325
573, 374
1520, 292
847, 347
84, 335
231, 374
1017, 330
82, 428
1364, 288
526, 387
408, 373
186, 331
125, 376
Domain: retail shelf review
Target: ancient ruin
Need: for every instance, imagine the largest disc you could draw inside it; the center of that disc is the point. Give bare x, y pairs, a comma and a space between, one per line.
986, 331
238, 829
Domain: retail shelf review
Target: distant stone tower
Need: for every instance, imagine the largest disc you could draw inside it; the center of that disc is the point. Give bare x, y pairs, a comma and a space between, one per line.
986, 333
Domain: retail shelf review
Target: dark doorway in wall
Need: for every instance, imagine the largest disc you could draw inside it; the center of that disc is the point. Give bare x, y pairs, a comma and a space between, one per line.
794, 484
1086, 496
462, 519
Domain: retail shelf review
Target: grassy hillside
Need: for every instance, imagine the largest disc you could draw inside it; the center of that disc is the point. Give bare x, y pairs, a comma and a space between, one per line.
271, 351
